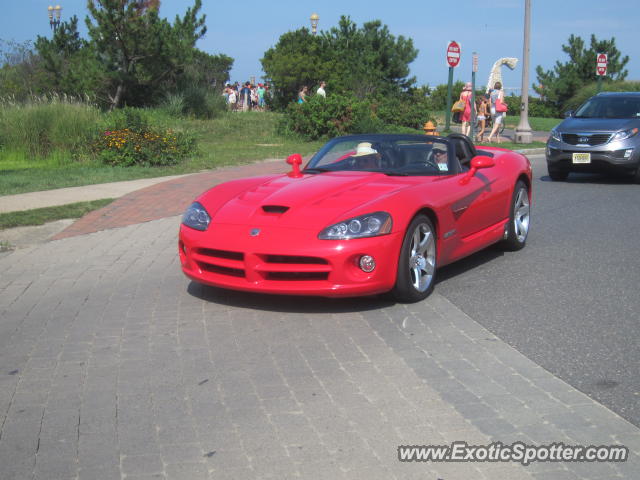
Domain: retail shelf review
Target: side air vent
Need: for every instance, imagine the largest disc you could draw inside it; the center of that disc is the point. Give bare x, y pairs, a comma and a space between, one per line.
274, 208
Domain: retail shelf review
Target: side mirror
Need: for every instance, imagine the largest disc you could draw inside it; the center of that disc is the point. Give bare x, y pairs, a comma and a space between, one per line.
482, 161
295, 161
568, 113
477, 163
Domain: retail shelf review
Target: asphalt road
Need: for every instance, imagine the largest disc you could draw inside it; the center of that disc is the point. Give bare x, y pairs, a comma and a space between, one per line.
569, 301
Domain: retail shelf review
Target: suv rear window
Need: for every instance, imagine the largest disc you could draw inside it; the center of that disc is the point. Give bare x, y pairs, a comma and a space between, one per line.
610, 107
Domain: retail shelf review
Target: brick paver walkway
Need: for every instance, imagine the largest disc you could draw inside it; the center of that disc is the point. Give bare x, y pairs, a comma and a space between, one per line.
164, 199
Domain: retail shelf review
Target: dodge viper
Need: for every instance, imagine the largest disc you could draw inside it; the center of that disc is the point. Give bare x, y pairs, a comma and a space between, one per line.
368, 214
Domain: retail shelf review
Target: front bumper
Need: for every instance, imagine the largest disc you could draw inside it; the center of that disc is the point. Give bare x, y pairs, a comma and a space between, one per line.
287, 261
620, 159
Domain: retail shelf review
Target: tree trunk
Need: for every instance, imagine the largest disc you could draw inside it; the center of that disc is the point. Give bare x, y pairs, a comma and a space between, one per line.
115, 100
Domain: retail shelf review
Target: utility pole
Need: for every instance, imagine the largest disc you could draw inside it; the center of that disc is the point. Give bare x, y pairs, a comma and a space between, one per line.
523, 130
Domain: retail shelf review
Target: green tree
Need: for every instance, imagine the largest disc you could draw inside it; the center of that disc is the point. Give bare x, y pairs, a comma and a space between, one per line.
294, 61
361, 61
558, 85
21, 73
70, 62
140, 52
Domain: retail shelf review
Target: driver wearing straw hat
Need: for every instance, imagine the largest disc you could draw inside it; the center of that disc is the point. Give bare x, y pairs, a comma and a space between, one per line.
366, 157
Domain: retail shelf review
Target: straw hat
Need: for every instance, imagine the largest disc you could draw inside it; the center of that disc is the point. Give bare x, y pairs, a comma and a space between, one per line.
364, 148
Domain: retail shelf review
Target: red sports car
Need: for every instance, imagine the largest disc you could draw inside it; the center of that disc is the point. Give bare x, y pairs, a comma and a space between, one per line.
368, 214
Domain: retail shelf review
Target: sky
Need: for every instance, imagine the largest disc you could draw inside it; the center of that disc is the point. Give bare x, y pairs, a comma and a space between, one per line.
492, 28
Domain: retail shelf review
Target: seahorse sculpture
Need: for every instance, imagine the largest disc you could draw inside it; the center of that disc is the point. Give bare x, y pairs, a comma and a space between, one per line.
496, 73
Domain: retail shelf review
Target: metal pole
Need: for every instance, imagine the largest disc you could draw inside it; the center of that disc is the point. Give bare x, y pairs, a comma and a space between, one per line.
599, 83
474, 69
523, 131
448, 110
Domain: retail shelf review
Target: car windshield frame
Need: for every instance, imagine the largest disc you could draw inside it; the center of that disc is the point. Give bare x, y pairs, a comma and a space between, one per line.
610, 107
392, 155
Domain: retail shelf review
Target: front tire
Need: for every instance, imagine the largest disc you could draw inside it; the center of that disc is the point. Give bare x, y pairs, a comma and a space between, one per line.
417, 262
519, 218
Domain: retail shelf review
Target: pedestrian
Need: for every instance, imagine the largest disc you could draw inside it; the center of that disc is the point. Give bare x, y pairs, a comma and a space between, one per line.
261, 92
302, 94
245, 97
465, 117
482, 109
232, 99
321, 90
498, 117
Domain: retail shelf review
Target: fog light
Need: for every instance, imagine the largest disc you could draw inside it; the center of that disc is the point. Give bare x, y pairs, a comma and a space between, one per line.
627, 153
367, 263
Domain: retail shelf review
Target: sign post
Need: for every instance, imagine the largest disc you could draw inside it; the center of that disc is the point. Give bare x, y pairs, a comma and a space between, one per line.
601, 68
453, 59
474, 69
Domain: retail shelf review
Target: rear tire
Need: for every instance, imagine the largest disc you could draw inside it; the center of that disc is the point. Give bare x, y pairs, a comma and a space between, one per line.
519, 218
636, 177
417, 262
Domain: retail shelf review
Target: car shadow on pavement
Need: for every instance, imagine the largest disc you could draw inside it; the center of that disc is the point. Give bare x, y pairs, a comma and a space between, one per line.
469, 263
287, 303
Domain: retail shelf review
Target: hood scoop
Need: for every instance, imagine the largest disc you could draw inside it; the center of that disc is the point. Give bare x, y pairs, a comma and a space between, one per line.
279, 209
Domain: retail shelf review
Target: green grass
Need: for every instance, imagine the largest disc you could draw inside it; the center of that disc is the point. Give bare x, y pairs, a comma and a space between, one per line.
232, 139
40, 216
511, 145
539, 124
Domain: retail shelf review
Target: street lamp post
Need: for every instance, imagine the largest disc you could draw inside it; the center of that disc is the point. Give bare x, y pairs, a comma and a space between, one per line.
54, 16
523, 130
314, 23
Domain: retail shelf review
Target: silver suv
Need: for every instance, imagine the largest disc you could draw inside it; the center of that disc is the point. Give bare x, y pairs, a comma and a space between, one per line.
600, 136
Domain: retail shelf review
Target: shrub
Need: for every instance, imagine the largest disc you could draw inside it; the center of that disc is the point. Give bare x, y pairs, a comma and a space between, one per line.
341, 115
324, 117
44, 125
127, 147
203, 102
537, 107
173, 104
410, 111
128, 118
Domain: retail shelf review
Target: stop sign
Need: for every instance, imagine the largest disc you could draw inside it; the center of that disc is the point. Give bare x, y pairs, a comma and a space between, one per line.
601, 64
453, 53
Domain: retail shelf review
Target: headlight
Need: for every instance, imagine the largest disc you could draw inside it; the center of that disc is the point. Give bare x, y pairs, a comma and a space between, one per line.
556, 135
196, 217
624, 135
370, 225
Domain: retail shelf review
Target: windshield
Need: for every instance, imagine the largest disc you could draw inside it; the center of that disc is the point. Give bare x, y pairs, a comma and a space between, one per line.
390, 156
610, 107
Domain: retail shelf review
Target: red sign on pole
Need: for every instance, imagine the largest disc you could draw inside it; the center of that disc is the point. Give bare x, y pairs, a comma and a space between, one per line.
453, 53
601, 64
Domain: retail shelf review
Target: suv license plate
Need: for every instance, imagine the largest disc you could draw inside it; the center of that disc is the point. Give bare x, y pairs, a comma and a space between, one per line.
581, 158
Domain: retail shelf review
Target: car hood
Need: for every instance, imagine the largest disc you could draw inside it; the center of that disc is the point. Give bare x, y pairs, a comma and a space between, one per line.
604, 125
310, 201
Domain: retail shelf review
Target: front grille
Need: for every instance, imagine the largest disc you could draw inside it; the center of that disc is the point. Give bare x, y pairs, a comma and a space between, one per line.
232, 272
209, 252
222, 262
587, 139
294, 259
254, 267
297, 276
293, 268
